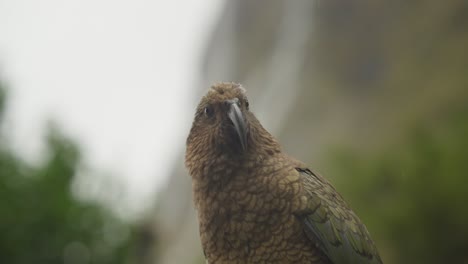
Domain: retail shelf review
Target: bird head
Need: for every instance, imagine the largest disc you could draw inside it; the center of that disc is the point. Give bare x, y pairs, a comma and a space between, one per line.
222, 120
226, 133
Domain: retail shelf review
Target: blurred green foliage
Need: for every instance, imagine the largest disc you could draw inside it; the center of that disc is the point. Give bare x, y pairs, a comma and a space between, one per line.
413, 194
399, 72
42, 222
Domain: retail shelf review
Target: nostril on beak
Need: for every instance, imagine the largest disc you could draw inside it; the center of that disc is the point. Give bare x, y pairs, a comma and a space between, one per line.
231, 101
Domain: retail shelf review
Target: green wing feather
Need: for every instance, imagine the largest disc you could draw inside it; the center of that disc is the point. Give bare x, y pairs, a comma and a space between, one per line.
331, 224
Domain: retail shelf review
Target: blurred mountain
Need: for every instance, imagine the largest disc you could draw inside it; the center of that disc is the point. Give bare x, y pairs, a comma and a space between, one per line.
373, 94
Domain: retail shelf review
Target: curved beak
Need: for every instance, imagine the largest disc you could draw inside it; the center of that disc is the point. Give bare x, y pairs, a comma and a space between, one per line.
237, 118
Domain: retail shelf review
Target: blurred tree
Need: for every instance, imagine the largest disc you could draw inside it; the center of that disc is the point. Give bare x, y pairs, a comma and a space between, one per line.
41, 221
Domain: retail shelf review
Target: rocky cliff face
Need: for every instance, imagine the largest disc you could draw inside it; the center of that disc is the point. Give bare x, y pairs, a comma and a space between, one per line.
322, 74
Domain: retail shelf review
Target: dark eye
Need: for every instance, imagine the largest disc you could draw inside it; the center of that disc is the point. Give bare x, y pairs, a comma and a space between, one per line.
247, 104
208, 111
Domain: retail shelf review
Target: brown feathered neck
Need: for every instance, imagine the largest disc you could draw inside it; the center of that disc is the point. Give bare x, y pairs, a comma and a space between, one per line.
224, 131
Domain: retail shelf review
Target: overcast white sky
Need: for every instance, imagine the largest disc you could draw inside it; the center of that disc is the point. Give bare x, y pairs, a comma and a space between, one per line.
110, 72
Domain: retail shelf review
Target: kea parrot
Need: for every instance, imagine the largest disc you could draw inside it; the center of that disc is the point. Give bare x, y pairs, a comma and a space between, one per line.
255, 203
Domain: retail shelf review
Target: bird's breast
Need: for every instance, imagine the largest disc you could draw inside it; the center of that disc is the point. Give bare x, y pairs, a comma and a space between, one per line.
250, 216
